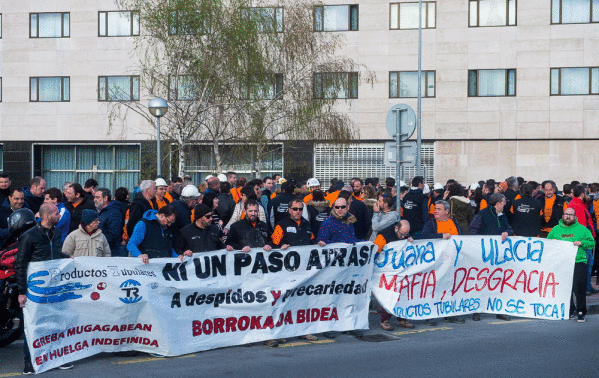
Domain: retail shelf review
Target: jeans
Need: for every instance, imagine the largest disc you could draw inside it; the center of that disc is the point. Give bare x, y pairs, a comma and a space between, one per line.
26, 354
589, 269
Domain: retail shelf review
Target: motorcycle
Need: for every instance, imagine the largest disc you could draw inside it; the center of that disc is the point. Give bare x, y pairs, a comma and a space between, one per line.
11, 313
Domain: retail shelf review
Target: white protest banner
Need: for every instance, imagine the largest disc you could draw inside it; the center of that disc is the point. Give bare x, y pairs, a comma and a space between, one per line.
87, 305
527, 277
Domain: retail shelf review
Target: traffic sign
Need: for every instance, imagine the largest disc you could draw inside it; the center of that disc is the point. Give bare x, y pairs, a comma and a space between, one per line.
408, 121
408, 152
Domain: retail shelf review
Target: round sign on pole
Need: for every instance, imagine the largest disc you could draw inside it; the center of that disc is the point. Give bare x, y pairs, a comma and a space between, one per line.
408, 121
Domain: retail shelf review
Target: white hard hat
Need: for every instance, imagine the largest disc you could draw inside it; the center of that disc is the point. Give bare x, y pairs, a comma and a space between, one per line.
402, 184
426, 189
438, 186
474, 186
160, 182
222, 177
313, 182
190, 191
282, 181
208, 177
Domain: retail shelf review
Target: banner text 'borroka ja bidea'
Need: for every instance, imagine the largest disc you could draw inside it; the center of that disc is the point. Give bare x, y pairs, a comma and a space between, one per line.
87, 305
528, 277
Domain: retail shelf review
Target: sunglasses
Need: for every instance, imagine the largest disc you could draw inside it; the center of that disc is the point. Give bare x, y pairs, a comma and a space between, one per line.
207, 216
340, 207
297, 208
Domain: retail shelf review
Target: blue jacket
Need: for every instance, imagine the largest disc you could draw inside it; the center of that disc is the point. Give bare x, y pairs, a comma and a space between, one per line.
332, 230
33, 203
111, 224
64, 223
139, 233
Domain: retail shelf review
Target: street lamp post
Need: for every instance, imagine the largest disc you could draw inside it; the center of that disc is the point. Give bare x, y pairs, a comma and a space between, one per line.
158, 107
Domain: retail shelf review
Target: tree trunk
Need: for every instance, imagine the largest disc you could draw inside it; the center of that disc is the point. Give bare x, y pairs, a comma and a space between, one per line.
217, 156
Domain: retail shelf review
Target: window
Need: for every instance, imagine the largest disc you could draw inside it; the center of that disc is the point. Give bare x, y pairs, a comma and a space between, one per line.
188, 23
365, 160
118, 24
111, 166
336, 85
405, 15
118, 88
263, 87
405, 84
574, 11
336, 18
492, 13
49, 89
489, 83
575, 81
268, 20
49, 25
200, 160
182, 88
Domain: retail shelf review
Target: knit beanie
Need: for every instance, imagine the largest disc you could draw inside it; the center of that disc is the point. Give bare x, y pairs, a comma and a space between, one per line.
88, 216
200, 210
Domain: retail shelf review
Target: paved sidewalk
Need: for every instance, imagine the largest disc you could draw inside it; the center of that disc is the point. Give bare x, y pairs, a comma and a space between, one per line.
593, 301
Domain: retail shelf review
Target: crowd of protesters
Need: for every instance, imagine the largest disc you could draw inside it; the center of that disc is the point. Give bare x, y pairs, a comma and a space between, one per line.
176, 218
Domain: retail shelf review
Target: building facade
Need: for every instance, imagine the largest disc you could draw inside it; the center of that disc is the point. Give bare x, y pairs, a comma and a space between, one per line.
508, 88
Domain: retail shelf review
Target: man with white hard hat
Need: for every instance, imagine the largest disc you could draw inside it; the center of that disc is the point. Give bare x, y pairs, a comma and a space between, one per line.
189, 198
160, 200
312, 184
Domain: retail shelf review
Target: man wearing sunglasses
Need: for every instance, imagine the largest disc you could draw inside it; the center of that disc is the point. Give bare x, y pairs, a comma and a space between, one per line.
338, 228
199, 236
151, 237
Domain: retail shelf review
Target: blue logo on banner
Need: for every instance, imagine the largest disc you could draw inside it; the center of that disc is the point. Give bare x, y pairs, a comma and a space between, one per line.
53, 294
130, 287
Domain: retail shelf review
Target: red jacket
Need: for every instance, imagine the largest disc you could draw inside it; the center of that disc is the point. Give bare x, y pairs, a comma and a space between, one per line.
582, 213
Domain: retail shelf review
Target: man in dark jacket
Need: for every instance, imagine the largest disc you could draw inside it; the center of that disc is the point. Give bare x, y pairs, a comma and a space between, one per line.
40, 243
4, 187
511, 194
182, 207
248, 232
293, 230
226, 204
111, 220
151, 236
526, 218
77, 202
442, 226
34, 193
141, 204
199, 236
14, 202
552, 206
415, 205
360, 211
278, 207
492, 221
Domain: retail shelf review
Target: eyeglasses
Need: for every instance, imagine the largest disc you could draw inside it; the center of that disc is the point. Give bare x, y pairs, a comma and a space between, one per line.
340, 207
207, 216
297, 208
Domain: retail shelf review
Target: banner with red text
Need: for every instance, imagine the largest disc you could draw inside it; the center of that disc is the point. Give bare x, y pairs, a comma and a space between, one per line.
87, 305
528, 277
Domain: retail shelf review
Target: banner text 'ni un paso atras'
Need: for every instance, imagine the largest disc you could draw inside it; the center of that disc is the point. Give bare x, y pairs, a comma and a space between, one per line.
528, 277
87, 305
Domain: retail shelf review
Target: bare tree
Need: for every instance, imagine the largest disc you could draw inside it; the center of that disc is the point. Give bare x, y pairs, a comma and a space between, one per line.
243, 72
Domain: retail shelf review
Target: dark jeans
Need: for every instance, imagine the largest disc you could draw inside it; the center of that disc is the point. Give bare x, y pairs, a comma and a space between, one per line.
26, 354
579, 289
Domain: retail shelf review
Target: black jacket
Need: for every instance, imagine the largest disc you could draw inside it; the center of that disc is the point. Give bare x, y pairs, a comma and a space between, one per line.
157, 241
294, 234
198, 239
37, 244
111, 224
225, 208
183, 218
243, 233
363, 220
415, 209
278, 208
319, 211
77, 211
138, 208
33, 202
510, 197
526, 217
556, 214
487, 222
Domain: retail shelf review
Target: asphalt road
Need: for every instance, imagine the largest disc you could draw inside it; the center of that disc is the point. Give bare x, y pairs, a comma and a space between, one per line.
489, 348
